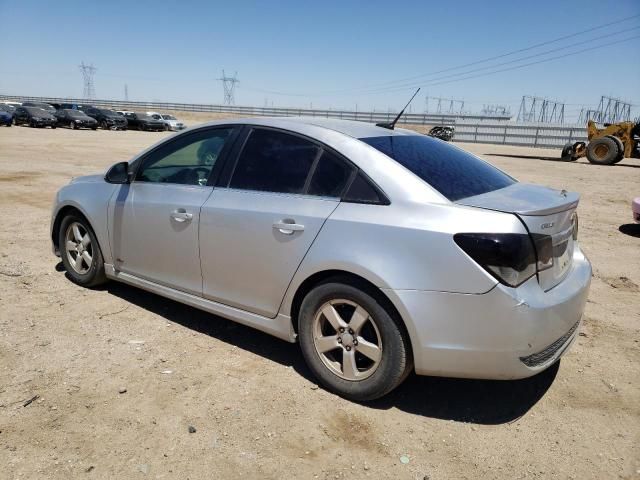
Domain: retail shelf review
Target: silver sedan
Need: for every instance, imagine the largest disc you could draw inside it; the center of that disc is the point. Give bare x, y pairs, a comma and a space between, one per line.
380, 251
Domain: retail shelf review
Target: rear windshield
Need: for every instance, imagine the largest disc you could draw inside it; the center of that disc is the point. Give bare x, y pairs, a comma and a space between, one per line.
451, 171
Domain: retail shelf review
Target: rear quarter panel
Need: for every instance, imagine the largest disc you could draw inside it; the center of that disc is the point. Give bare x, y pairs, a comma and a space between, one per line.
403, 246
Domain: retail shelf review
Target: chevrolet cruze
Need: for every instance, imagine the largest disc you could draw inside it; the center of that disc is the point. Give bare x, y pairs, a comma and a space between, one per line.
380, 251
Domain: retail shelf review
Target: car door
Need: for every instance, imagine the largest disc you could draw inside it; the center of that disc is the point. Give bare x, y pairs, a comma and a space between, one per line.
154, 220
256, 228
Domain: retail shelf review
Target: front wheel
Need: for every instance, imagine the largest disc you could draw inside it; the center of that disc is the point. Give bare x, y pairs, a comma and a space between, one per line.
351, 343
602, 151
80, 252
72, 126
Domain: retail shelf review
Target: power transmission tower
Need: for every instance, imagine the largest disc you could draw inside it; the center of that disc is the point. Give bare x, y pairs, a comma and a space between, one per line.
538, 109
496, 110
126, 92
229, 86
454, 106
612, 110
88, 71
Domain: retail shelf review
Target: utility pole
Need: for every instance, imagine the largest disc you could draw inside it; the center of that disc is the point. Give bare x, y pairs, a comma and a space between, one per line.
228, 87
88, 71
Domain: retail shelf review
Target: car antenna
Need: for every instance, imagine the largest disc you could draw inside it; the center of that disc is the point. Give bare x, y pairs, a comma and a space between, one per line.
391, 125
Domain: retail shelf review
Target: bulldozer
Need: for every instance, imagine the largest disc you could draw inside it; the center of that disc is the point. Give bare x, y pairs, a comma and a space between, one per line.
606, 146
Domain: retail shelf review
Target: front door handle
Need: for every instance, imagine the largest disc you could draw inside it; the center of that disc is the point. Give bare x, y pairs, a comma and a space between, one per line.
181, 215
288, 226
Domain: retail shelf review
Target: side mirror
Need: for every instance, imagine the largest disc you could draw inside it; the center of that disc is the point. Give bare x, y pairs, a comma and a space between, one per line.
119, 173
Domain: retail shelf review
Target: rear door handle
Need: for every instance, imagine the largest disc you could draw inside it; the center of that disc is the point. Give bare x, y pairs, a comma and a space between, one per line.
181, 215
287, 227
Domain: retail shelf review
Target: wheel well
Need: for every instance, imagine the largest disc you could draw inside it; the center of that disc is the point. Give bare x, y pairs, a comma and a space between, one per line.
340, 276
64, 211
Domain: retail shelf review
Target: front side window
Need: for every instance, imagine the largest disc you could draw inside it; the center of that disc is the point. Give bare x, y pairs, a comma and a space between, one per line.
454, 173
187, 160
273, 161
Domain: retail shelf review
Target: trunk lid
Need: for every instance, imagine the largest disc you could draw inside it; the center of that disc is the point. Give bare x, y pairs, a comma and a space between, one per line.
544, 211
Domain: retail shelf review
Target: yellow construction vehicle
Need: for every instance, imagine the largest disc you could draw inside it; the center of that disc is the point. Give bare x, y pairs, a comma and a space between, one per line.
606, 145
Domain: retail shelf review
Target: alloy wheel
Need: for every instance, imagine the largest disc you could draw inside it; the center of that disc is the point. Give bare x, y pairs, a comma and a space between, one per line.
347, 339
79, 248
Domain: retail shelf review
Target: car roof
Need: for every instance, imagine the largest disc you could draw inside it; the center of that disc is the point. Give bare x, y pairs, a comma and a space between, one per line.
351, 128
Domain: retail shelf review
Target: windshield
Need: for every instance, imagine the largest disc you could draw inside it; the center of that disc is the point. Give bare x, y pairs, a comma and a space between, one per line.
168, 117
450, 170
144, 116
108, 113
36, 111
75, 113
6, 108
44, 106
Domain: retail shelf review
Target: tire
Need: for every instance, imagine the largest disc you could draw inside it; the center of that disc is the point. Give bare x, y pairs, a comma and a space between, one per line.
32, 124
104, 125
53, 127
72, 125
325, 348
166, 127
602, 151
567, 153
620, 148
94, 128
83, 274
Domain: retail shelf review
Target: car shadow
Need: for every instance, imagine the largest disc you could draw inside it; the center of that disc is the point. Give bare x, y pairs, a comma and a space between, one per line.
631, 229
472, 401
554, 159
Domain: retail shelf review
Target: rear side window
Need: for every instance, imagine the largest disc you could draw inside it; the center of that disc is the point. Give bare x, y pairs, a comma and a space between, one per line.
330, 176
273, 161
453, 172
361, 191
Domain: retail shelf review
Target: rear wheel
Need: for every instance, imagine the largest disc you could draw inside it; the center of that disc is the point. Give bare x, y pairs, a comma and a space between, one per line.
80, 252
567, 153
602, 151
620, 148
351, 343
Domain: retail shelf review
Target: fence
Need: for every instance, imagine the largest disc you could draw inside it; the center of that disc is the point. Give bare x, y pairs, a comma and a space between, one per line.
469, 128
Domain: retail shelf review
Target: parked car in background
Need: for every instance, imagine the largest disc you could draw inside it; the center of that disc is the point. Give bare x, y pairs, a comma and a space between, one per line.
75, 119
7, 111
107, 119
45, 106
34, 117
380, 251
12, 105
6, 118
142, 121
170, 122
442, 132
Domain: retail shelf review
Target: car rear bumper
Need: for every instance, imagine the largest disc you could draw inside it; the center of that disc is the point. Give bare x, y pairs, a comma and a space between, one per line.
506, 333
635, 208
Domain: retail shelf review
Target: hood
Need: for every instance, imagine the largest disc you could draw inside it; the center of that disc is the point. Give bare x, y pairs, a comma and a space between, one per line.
524, 199
96, 178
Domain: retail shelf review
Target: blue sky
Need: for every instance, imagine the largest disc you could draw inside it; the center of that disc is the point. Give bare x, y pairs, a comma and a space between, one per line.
323, 53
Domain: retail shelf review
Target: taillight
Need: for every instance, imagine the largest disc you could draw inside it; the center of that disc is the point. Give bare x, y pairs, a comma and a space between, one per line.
509, 257
544, 250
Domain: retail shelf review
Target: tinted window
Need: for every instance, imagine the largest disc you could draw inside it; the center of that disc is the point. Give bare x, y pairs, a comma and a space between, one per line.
361, 191
188, 160
274, 162
330, 176
451, 171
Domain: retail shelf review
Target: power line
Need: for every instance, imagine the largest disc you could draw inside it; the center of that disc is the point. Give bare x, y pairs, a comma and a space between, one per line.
415, 77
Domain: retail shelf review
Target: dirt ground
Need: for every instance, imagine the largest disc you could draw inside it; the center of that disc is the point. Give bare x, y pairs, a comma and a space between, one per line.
253, 403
